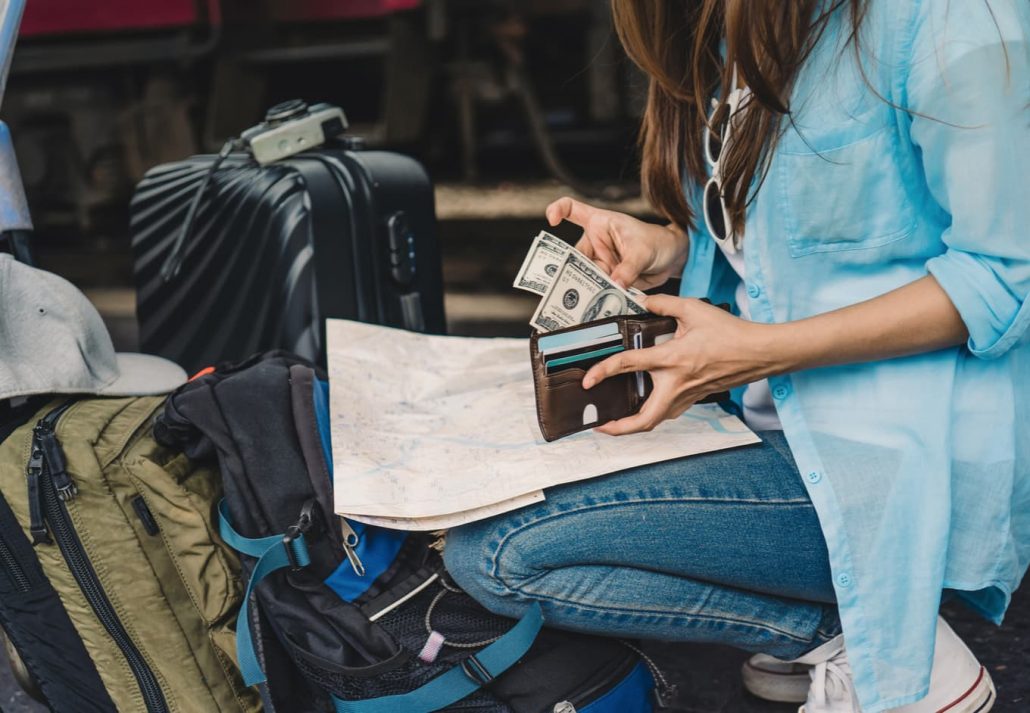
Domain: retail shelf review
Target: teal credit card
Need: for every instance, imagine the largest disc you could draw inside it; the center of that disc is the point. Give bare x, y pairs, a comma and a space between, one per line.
593, 355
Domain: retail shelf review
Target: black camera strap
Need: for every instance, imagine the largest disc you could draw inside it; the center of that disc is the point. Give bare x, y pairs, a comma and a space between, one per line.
173, 263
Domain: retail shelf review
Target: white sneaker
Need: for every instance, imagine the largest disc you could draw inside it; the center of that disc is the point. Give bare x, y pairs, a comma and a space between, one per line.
774, 679
831, 689
958, 683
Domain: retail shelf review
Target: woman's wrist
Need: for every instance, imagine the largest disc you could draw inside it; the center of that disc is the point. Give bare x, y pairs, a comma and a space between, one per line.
776, 348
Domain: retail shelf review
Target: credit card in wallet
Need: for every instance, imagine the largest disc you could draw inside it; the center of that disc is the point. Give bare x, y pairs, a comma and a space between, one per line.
575, 359
551, 341
598, 343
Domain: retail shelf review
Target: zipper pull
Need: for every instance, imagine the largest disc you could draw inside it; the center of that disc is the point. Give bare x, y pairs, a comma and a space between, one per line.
350, 543
37, 526
56, 464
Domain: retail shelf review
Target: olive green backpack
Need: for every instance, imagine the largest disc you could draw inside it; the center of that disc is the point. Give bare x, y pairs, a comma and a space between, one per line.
122, 530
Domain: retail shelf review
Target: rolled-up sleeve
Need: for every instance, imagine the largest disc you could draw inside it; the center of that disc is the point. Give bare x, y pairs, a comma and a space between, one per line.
968, 92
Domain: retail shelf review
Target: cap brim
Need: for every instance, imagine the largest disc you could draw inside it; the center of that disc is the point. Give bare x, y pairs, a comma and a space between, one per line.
144, 375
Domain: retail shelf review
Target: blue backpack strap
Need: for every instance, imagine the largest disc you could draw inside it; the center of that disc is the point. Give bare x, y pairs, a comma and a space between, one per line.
463, 679
276, 552
272, 553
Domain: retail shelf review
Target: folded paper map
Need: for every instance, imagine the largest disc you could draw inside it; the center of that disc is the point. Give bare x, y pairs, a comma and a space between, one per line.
431, 432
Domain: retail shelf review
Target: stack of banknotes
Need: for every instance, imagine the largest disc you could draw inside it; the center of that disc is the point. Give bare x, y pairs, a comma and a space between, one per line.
573, 288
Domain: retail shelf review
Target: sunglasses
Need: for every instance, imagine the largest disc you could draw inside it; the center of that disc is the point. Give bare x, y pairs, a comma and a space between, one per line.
717, 218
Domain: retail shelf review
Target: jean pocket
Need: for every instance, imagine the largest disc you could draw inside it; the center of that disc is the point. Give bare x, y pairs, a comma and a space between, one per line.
850, 197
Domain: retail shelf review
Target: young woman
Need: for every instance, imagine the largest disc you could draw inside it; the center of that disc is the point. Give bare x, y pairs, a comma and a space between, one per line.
852, 176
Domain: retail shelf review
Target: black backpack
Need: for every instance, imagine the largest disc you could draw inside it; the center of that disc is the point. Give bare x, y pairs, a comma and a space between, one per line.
360, 619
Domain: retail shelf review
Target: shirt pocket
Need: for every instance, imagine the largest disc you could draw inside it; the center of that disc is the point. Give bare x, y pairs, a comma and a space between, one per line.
845, 197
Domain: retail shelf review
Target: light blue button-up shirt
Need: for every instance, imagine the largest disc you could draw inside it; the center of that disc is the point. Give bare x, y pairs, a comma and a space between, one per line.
915, 160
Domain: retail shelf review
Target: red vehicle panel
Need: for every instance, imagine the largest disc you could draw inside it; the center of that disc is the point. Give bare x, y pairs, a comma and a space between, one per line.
58, 17
304, 10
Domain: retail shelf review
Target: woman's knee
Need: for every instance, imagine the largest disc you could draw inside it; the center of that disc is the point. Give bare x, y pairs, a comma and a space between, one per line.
484, 564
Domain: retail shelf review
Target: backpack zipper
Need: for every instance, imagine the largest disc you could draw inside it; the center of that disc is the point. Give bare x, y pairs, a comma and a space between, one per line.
53, 489
45, 450
665, 693
13, 567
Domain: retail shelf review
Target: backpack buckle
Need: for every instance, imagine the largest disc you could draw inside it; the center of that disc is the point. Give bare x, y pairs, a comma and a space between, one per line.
293, 539
296, 549
476, 671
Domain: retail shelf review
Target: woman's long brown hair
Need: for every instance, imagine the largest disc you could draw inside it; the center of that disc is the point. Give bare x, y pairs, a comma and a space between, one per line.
677, 44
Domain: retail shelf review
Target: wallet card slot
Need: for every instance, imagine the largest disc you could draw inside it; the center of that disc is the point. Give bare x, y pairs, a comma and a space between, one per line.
571, 375
566, 407
582, 360
562, 358
649, 333
638, 343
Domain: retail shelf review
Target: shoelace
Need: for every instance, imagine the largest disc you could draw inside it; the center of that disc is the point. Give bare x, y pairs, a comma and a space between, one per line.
831, 685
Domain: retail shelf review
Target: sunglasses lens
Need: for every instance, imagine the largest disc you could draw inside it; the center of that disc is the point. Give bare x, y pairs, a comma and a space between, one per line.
713, 211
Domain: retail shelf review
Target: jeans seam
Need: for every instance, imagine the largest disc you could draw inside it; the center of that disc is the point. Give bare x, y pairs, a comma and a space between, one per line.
578, 604
496, 556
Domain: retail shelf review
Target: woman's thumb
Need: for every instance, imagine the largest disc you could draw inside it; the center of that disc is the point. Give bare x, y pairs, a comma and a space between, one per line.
664, 305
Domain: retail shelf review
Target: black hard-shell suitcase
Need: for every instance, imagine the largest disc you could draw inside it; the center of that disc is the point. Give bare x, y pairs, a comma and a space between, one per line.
275, 249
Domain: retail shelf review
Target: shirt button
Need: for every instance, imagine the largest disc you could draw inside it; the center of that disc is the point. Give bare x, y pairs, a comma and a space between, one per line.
844, 579
780, 392
814, 477
753, 290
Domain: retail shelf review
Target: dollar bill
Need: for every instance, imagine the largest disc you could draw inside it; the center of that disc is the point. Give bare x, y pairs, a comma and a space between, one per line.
581, 292
545, 256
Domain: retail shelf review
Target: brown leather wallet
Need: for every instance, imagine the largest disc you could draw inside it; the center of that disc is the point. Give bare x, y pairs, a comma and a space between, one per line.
564, 407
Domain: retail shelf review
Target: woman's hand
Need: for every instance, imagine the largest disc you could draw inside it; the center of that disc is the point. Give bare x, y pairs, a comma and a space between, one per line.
712, 351
632, 252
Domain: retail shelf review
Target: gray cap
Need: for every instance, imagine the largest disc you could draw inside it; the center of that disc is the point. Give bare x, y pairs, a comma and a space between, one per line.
52, 341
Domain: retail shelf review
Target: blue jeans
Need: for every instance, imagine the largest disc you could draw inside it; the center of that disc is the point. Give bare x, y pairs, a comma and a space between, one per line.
723, 547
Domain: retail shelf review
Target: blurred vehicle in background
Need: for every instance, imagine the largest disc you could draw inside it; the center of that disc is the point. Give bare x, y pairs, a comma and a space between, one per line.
478, 90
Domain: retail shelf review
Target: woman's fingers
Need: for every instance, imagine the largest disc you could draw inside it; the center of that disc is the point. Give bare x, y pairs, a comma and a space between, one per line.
621, 363
598, 251
571, 210
586, 246
665, 305
600, 241
650, 415
625, 274
604, 256
660, 406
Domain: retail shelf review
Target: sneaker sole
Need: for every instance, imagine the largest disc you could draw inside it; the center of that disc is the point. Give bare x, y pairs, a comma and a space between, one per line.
784, 687
774, 686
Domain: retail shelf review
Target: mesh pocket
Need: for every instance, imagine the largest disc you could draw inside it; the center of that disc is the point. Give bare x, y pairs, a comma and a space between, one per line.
455, 615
